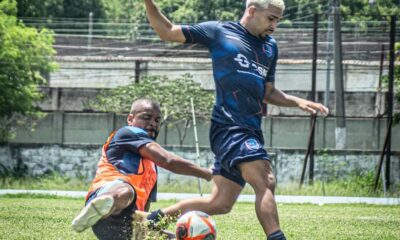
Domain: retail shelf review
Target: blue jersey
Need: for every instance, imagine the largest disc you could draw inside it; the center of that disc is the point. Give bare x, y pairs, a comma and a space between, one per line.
242, 63
123, 151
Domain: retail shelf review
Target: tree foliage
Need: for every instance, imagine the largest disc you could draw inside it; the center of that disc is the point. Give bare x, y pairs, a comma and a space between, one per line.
363, 10
179, 11
25, 56
351, 10
47, 8
60, 8
173, 94
193, 11
133, 12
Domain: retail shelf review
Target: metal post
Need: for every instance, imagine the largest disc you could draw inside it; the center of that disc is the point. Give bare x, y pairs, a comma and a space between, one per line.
340, 131
90, 30
314, 59
313, 94
55, 99
329, 47
112, 121
137, 71
165, 134
62, 115
271, 132
378, 172
328, 57
390, 98
379, 96
387, 144
310, 142
196, 142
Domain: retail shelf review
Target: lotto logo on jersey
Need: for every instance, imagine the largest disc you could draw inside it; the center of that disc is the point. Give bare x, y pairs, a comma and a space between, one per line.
252, 144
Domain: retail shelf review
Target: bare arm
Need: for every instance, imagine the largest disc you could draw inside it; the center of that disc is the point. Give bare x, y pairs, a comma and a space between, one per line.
277, 97
172, 162
162, 25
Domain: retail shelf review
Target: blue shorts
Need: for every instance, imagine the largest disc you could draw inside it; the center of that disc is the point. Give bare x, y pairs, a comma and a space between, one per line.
233, 145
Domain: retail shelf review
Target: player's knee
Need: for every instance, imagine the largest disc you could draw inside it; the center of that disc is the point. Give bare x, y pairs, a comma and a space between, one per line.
124, 196
271, 181
263, 183
223, 208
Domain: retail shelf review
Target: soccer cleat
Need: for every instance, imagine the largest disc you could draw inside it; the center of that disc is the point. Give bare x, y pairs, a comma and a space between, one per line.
92, 213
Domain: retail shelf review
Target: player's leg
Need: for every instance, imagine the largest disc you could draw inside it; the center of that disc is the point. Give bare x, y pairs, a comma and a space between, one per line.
259, 175
223, 196
123, 195
114, 228
111, 199
227, 184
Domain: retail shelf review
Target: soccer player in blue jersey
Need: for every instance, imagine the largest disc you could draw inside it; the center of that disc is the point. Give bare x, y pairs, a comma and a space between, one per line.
244, 57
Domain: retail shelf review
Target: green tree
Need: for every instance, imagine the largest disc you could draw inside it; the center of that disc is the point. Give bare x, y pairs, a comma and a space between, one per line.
130, 12
46, 9
25, 56
173, 94
303, 10
351, 10
179, 11
60, 8
82, 8
192, 11
363, 10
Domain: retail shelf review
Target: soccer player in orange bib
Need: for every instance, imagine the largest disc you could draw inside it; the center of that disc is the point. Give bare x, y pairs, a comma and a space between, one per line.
126, 177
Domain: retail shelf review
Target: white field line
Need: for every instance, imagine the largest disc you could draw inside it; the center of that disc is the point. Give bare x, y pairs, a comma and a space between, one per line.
242, 198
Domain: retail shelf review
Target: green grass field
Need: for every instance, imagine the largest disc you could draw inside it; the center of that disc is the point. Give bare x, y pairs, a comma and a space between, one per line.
354, 186
45, 217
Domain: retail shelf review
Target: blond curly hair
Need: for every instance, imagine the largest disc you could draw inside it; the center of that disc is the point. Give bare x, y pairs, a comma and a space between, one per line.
265, 3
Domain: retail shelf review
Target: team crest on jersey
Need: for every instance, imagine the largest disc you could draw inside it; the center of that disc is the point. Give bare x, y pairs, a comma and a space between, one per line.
268, 50
252, 144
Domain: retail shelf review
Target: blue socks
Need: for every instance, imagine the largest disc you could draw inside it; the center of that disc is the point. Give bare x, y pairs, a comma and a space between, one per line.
278, 235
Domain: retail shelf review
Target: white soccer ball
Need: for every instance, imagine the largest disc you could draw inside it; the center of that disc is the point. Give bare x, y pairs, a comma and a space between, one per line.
196, 225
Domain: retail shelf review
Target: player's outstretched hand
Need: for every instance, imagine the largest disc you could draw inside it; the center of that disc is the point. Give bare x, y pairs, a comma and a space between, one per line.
313, 107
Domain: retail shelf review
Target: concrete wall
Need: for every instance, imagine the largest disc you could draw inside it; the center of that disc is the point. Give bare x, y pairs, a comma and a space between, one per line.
80, 161
111, 73
356, 103
279, 132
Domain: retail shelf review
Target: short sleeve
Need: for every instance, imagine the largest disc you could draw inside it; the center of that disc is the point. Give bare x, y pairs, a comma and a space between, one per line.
203, 33
131, 138
271, 71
